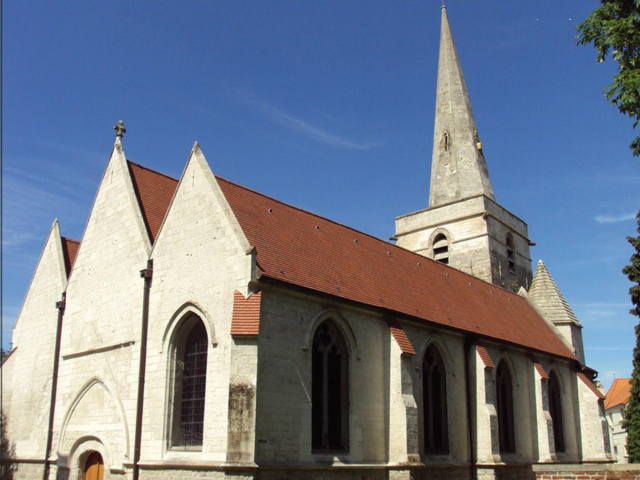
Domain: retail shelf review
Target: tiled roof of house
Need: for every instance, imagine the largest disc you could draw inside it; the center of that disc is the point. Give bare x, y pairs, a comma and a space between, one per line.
618, 393
309, 251
154, 191
69, 250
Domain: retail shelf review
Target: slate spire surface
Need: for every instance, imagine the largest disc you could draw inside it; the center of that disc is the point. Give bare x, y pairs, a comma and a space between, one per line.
458, 168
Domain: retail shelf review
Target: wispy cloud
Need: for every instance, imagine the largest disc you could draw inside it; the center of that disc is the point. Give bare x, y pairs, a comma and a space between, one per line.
31, 202
301, 126
615, 218
598, 305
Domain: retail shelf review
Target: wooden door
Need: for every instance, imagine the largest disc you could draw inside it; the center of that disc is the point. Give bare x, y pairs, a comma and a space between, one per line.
94, 468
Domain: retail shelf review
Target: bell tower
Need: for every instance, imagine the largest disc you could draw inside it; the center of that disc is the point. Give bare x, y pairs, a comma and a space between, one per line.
464, 226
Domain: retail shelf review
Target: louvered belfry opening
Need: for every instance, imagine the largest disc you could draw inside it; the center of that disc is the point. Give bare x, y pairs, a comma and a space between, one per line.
441, 248
511, 254
330, 390
555, 410
504, 391
434, 398
190, 384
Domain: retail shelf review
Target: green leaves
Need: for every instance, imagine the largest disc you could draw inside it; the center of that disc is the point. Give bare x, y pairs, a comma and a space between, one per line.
632, 411
615, 27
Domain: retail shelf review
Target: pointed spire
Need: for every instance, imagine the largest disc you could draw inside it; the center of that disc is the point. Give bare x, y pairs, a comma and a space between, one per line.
547, 296
458, 168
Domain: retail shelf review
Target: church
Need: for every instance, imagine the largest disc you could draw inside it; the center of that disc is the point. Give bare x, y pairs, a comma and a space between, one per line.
200, 329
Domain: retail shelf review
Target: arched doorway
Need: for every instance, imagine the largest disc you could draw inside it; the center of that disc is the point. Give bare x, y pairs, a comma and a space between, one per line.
94, 467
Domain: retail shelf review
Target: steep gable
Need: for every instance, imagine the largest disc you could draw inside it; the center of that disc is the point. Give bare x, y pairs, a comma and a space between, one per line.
26, 388
104, 283
48, 281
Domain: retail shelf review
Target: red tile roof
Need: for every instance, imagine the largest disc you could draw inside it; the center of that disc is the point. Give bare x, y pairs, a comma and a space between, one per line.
246, 314
541, 371
309, 251
591, 385
154, 191
69, 250
401, 337
619, 393
484, 355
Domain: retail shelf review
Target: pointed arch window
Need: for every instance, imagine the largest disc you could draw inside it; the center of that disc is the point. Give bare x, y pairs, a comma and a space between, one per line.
434, 403
555, 410
504, 397
441, 248
511, 254
330, 389
190, 380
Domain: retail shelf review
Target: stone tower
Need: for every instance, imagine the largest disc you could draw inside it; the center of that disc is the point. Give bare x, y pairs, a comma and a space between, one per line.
464, 226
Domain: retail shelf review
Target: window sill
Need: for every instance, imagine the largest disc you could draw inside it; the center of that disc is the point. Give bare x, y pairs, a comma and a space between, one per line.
332, 457
185, 449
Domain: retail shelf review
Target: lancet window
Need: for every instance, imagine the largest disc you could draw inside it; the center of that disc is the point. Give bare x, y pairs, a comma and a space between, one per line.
504, 397
434, 398
190, 379
555, 410
330, 389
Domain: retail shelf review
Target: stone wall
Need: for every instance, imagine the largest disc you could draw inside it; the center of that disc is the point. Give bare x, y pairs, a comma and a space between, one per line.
587, 472
477, 229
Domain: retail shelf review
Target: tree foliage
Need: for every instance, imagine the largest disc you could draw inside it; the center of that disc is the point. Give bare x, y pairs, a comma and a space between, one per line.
632, 411
615, 28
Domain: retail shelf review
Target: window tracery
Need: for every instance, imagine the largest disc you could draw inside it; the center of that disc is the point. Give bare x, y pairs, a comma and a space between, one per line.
434, 398
190, 379
330, 389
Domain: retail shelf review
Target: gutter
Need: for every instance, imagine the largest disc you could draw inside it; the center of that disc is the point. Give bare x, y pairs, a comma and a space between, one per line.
54, 385
147, 274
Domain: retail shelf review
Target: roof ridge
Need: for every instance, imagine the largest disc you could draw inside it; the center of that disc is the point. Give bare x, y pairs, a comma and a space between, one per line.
152, 170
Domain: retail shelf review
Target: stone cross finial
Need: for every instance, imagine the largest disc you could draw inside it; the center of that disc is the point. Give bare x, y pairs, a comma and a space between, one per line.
119, 128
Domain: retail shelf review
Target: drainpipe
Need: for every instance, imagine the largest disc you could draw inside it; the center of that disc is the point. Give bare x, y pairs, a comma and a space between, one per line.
147, 274
54, 385
467, 373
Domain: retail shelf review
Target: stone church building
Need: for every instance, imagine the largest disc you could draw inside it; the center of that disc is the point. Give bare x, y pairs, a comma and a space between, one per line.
201, 329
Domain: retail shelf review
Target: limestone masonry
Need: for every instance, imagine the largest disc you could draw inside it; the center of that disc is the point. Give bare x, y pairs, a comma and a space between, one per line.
201, 329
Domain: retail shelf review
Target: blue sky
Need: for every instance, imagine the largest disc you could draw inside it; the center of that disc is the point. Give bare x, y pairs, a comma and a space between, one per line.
329, 106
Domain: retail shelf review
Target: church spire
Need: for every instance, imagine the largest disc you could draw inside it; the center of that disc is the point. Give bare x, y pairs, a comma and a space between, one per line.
458, 168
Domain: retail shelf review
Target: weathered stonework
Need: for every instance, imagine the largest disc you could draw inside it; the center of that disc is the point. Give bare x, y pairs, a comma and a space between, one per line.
257, 399
477, 229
